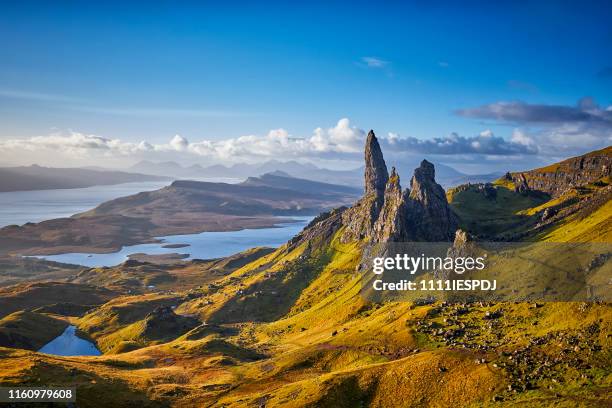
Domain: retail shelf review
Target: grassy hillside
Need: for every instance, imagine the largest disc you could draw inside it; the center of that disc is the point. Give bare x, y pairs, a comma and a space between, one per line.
580, 214
29, 330
32, 295
498, 214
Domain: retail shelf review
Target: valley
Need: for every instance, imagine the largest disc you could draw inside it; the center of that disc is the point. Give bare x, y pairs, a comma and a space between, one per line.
291, 326
399, 204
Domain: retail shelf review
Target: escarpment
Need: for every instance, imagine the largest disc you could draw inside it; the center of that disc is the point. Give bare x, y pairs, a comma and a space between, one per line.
559, 177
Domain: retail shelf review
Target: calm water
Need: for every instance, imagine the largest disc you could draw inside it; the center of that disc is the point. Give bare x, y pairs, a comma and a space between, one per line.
19, 207
68, 344
205, 245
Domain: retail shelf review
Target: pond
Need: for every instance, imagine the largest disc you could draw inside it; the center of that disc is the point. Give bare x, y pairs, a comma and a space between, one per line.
69, 344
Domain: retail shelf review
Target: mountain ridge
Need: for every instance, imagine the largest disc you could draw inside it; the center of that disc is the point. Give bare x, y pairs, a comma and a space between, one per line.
26, 178
352, 177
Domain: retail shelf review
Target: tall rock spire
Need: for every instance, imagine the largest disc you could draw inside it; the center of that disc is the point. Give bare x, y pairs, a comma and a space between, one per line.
360, 218
376, 175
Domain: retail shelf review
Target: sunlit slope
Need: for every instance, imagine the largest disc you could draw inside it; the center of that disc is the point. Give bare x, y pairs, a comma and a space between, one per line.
579, 214
388, 355
590, 226
123, 319
290, 328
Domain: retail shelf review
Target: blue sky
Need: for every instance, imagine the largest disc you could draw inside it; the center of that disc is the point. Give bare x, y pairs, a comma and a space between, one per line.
134, 72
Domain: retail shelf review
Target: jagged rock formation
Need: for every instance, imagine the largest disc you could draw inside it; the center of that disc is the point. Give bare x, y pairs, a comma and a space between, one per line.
463, 246
573, 172
520, 184
322, 227
386, 213
391, 222
430, 218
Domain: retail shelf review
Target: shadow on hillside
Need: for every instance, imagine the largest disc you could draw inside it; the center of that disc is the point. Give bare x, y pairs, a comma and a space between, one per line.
273, 297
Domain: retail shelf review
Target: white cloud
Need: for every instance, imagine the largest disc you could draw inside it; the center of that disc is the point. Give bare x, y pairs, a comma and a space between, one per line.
485, 143
342, 142
520, 137
556, 130
374, 62
179, 143
79, 148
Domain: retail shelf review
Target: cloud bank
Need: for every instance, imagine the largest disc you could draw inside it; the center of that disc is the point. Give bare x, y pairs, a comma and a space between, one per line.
556, 129
485, 143
342, 142
541, 133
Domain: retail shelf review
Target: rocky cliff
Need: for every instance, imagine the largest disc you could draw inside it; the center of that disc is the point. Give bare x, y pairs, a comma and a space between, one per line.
559, 177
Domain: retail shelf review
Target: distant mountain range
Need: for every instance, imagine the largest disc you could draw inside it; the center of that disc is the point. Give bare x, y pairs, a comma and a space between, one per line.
36, 177
446, 175
47, 178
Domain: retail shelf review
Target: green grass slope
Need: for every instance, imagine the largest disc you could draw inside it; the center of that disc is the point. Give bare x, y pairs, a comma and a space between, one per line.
29, 330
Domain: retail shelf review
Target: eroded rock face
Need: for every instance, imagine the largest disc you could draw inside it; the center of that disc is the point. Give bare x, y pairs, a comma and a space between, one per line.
567, 174
391, 222
429, 216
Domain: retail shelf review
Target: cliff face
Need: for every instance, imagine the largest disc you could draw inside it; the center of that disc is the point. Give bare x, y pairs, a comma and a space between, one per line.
386, 213
574, 172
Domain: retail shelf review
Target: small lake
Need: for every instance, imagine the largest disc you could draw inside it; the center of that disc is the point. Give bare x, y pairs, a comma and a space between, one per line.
69, 344
206, 245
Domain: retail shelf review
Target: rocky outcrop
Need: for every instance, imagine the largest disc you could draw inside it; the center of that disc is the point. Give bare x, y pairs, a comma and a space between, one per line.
162, 324
428, 214
321, 228
520, 184
391, 222
570, 173
388, 214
